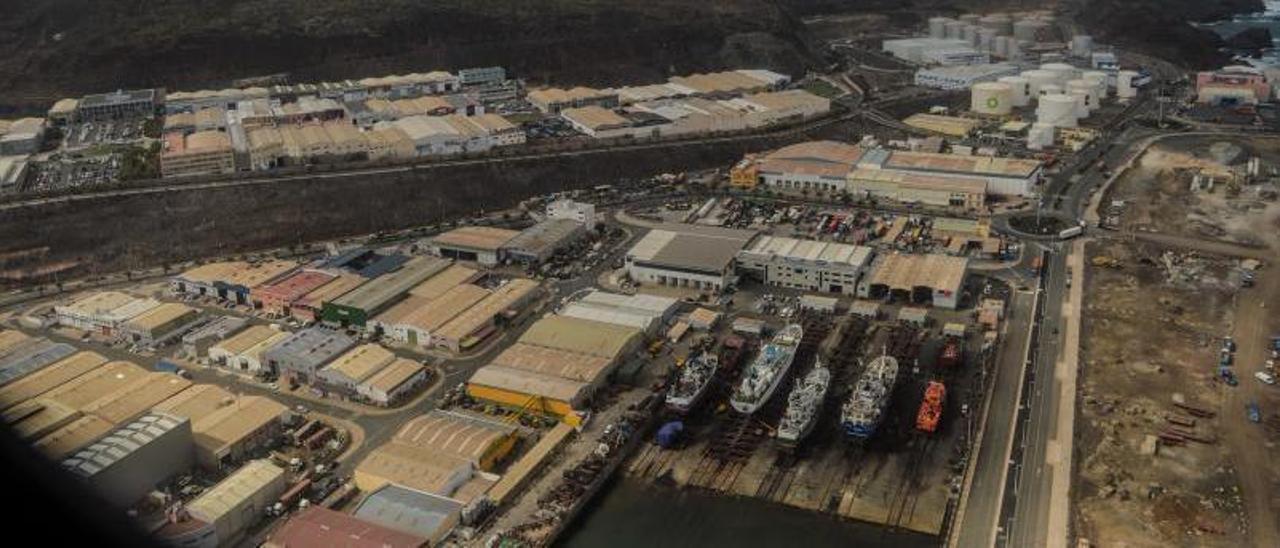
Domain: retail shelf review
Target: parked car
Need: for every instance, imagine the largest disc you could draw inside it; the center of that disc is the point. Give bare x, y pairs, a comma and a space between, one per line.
1264, 377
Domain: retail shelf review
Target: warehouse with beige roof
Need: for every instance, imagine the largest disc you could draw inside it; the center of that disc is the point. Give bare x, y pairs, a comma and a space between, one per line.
556, 366
919, 279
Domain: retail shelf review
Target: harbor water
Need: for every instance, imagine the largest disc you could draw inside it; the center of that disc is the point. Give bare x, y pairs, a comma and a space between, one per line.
1269, 19
634, 514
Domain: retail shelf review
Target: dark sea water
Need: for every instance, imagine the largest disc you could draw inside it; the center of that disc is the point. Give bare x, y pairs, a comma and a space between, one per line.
1269, 19
633, 514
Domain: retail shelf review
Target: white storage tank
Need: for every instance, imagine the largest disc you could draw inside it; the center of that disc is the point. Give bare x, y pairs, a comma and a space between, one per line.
1028, 30
1082, 45
1099, 81
1002, 46
1124, 84
991, 98
1015, 50
1089, 91
1064, 72
1058, 110
1021, 88
1038, 79
969, 33
971, 18
1051, 89
1082, 102
1040, 136
986, 41
955, 30
938, 26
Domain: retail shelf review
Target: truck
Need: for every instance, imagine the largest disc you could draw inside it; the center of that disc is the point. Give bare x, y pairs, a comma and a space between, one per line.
1072, 232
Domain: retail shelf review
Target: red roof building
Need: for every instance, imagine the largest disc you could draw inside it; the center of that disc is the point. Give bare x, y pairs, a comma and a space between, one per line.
277, 297
318, 526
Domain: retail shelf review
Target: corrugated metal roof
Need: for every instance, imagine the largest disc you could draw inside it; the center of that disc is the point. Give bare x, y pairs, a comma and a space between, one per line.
378, 291
127, 439
50, 377
581, 336
318, 526
409, 510
232, 493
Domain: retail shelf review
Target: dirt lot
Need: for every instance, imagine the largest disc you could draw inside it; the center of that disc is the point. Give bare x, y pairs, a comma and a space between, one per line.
1158, 195
1147, 342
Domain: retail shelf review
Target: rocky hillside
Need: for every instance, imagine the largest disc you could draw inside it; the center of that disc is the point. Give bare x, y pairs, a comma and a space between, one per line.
1159, 27
52, 48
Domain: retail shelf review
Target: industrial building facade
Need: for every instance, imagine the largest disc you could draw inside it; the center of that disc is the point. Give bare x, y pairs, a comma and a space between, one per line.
917, 279
805, 264
697, 257
136, 458
911, 177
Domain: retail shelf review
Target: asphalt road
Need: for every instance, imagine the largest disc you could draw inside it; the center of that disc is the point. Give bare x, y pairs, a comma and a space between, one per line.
988, 480
1012, 486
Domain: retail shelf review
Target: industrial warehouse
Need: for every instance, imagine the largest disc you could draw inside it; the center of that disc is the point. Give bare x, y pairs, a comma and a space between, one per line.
698, 257
905, 176
919, 279
806, 264
490, 246
556, 366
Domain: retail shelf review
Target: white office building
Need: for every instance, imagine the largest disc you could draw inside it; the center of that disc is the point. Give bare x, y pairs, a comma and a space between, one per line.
808, 265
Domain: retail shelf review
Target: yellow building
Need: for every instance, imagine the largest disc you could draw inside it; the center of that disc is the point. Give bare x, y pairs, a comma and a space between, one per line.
745, 174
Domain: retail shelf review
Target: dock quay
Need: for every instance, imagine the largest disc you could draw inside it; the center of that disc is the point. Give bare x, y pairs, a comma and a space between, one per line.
902, 479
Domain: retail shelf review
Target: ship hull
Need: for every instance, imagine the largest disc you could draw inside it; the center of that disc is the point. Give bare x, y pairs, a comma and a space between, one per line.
784, 367
749, 408
683, 405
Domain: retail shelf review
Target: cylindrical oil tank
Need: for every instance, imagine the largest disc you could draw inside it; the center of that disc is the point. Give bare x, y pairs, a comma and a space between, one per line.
1064, 72
1082, 45
986, 41
1082, 102
1028, 30
971, 18
992, 98
1021, 88
1058, 110
1039, 78
1099, 81
954, 30
1039, 136
1015, 50
969, 33
1002, 46
1088, 89
938, 27
1051, 89
1124, 84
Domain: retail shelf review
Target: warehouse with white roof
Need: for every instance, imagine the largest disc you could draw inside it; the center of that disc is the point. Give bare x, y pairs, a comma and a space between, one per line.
805, 264
644, 312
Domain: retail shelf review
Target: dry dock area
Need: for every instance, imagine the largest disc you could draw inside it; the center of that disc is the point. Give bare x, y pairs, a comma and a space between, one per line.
901, 478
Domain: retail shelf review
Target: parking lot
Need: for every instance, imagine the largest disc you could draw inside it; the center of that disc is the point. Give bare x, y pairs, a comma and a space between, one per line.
73, 172
108, 132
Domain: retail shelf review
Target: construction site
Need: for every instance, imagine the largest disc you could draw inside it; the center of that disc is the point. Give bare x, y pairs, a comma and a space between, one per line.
1177, 406
1200, 187
904, 476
